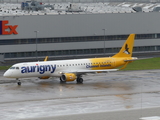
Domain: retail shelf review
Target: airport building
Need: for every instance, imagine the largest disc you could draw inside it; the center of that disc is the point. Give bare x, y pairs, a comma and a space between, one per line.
62, 35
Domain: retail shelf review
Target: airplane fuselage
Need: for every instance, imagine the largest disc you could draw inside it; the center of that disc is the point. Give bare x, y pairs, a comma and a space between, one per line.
55, 68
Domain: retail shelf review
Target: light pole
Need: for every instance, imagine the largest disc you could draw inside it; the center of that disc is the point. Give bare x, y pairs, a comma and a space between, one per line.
104, 41
36, 45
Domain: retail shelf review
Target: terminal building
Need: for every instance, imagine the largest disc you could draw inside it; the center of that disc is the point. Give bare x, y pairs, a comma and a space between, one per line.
61, 35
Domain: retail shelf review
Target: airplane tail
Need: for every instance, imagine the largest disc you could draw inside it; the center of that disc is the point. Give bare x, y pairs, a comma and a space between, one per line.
127, 48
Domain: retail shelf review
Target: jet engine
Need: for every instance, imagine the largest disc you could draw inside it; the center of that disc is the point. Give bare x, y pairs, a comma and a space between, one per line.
68, 77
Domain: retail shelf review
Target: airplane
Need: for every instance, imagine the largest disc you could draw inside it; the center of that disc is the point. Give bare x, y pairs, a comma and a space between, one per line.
74, 69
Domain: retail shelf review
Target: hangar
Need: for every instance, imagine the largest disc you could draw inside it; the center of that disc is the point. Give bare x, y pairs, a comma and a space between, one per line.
98, 31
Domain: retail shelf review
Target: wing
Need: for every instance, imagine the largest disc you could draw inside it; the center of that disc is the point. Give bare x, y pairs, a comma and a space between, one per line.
80, 72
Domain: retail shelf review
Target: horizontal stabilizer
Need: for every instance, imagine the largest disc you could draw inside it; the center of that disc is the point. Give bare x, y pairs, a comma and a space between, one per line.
133, 59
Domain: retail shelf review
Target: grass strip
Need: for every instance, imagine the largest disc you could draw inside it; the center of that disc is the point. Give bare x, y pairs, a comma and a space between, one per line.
4, 67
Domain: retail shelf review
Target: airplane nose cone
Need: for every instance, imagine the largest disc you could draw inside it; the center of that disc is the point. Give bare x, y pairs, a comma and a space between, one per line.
7, 74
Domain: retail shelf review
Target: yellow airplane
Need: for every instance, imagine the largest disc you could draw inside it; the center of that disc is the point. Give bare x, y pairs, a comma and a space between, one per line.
70, 70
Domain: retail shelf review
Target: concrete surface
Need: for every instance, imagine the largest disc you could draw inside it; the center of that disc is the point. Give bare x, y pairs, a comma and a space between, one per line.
118, 96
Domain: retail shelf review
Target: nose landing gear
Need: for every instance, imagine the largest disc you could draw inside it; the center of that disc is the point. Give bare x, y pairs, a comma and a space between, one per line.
18, 82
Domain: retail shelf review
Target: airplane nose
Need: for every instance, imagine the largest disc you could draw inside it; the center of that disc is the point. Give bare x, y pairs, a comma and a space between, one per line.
7, 74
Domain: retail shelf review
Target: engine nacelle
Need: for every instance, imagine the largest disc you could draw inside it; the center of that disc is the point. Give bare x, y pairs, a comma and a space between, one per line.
44, 77
68, 77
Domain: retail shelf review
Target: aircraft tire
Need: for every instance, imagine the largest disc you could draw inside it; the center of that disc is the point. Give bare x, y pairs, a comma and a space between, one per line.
79, 80
19, 83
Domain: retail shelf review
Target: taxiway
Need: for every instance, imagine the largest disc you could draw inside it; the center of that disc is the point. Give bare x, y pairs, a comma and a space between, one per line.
111, 93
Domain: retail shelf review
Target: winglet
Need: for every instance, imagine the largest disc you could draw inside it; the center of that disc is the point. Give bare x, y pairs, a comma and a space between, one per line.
127, 48
46, 58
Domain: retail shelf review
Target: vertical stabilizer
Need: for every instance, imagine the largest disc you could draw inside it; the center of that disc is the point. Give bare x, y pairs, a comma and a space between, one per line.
127, 48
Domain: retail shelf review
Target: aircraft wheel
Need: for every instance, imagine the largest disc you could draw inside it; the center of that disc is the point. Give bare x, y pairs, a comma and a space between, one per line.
79, 80
19, 83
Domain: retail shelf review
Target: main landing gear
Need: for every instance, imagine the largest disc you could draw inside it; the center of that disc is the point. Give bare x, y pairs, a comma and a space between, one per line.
79, 80
18, 82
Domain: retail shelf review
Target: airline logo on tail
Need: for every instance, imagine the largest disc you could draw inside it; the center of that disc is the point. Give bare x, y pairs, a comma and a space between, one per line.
126, 49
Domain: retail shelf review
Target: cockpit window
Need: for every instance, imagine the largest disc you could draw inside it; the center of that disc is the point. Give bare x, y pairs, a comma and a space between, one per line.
12, 67
17, 68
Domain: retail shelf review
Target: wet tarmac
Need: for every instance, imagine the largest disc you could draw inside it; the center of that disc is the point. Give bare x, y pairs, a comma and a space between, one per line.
115, 91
